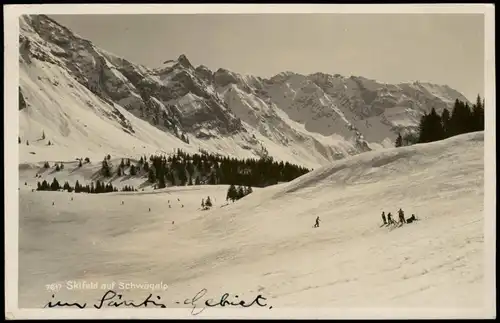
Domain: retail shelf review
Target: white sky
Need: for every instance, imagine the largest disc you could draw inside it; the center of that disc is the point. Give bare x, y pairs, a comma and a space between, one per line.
438, 48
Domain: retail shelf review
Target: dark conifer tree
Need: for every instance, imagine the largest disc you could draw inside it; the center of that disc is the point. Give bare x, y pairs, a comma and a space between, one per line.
460, 119
213, 179
161, 182
478, 115
231, 193
445, 121
467, 125
399, 141
55, 185
241, 192
436, 126
151, 176
105, 170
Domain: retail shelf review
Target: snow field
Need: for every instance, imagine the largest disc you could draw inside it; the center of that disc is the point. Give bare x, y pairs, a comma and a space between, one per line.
265, 243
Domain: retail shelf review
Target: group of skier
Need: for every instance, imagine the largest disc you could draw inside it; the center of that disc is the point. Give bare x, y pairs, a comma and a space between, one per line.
387, 220
390, 221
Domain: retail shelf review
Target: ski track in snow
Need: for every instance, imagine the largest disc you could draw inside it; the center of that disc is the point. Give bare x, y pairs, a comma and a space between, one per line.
265, 243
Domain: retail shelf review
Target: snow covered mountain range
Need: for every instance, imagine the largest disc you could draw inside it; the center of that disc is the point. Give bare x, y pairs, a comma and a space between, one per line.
89, 102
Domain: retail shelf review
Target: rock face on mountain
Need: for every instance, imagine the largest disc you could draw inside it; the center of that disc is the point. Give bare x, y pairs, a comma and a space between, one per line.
320, 115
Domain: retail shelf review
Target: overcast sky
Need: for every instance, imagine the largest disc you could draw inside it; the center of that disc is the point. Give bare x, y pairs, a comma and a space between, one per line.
438, 48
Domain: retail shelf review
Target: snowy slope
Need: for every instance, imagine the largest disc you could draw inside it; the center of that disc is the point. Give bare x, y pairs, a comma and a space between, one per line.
90, 101
265, 243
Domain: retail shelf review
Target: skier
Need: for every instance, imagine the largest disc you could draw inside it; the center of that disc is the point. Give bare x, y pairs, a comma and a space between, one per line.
401, 216
316, 225
389, 219
411, 219
383, 218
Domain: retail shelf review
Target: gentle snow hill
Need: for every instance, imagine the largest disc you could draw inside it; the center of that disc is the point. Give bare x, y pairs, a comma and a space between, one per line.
265, 243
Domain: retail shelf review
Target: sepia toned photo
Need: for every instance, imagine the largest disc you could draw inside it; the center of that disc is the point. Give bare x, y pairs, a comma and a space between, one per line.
239, 161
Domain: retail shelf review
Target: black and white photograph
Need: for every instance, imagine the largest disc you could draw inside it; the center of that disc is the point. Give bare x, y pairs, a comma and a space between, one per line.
250, 161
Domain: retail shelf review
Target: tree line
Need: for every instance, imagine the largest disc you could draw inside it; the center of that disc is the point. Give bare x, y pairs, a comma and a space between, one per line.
434, 127
94, 188
181, 168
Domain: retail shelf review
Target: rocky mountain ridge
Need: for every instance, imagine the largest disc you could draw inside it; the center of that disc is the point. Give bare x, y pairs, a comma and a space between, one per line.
322, 115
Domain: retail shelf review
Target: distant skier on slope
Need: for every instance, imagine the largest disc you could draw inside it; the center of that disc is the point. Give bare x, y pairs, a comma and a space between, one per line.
316, 225
401, 216
383, 218
389, 219
411, 219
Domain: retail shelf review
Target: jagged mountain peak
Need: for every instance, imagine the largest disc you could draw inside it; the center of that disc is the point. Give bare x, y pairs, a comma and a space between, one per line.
184, 62
224, 77
284, 76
